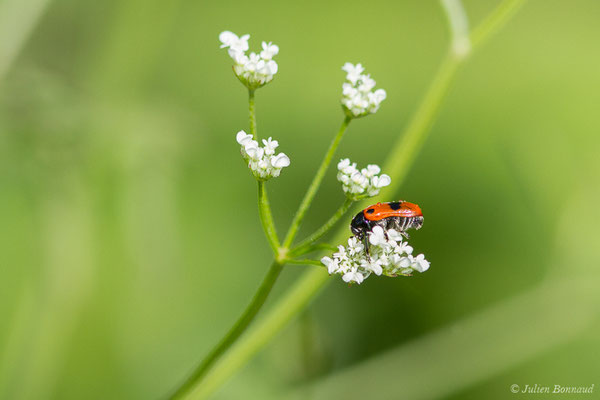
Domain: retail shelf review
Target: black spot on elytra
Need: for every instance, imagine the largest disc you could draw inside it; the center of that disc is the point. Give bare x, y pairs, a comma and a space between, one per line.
395, 205
370, 211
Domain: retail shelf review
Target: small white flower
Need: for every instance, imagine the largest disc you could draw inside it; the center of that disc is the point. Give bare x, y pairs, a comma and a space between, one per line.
353, 72
270, 146
240, 59
381, 181
226, 37
332, 265
243, 138
420, 263
236, 44
379, 95
343, 163
355, 246
253, 151
377, 237
269, 69
353, 276
366, 84
371, 170
280, 161
269, 50
405, 248
359, 180
373, 266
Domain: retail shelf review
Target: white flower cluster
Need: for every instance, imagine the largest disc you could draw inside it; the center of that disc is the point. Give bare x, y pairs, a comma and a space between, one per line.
359, 184
358, 99
262, 161
388, 255
254, 70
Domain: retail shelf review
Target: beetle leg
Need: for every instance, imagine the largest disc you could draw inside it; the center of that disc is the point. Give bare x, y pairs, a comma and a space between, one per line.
366, 244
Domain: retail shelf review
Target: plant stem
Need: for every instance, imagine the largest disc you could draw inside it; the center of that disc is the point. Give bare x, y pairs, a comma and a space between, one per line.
266, 218
305, 261
236, 330
314, 186
296, 299
406, 148
300, 295
312, 248
494, 21
252, 113
324, 229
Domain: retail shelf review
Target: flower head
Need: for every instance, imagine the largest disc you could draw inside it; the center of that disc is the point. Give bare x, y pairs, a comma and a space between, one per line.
262, 161
358, 99
359, 184
253, 70
388, 255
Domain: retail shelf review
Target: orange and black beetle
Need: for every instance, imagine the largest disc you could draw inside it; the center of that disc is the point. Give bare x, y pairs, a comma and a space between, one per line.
398, 215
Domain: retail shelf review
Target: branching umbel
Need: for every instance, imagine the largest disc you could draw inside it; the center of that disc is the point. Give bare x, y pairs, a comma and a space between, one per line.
390, 254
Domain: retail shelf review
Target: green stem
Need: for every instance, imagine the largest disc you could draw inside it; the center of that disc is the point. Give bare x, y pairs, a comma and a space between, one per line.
305, 261
312, 248
314, 186
193, 382
300, 295
266, 218
404, 151
495, 21
252, 113
324, 229
296, 299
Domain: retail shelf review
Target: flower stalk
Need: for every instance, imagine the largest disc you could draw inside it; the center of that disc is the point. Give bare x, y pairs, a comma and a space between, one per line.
230, 337
266, 218
252, 114
319, 233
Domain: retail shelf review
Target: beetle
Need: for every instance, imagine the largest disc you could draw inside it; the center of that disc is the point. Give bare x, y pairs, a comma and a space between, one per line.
398, 215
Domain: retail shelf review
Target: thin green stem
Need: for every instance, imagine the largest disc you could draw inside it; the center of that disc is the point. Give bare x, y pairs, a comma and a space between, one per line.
405, 150
296, 299
266, 218
494, 22
314, 186
312, 248
300, 295
324, 229
252, 113
236, 330
305, 261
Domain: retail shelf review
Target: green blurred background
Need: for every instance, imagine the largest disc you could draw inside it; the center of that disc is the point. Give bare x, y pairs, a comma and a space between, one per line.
129, 233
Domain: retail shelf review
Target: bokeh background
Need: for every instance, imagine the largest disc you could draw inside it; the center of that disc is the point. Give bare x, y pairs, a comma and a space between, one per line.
130, 239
